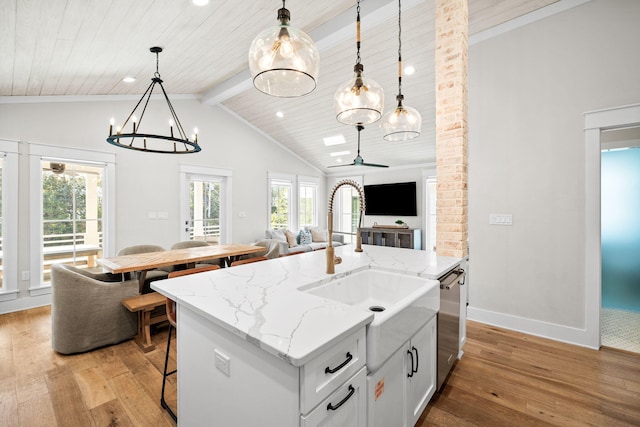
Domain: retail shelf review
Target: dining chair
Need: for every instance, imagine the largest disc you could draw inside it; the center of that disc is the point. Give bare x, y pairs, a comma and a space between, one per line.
152, 275
195, 244
249, 260
172, 318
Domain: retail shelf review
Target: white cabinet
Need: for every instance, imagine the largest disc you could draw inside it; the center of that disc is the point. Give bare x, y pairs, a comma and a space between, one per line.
421, 370
398, 392
256, 388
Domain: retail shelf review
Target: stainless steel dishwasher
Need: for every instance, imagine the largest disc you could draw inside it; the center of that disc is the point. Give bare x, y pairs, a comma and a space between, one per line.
449, 321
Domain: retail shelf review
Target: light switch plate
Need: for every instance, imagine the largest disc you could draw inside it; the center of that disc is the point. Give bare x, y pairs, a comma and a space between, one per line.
500, 219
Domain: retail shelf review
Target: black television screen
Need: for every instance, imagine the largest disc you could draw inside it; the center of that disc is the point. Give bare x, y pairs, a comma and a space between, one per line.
397, 199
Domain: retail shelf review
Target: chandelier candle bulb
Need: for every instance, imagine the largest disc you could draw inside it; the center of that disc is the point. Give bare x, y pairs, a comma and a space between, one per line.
111, 123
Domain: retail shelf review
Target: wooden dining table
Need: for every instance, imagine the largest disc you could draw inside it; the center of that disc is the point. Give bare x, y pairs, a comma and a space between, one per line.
148, 306
143, 262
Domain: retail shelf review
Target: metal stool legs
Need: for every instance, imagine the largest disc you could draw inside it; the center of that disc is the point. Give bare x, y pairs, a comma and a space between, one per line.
164, 377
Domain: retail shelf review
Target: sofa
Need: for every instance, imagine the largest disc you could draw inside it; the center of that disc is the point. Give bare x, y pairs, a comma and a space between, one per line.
305, 240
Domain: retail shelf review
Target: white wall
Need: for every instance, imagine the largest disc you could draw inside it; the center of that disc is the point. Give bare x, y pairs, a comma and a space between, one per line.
528, 90
150, 182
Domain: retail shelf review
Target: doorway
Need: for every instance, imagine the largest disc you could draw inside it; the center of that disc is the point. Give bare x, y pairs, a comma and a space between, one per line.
620, 238
597, 124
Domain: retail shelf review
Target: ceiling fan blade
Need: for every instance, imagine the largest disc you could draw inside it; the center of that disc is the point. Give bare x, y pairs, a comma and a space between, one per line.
374, 165
339, 166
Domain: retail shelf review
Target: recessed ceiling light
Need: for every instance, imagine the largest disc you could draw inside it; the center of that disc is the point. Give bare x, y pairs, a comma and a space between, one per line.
280, 114
334, 140
409, 69
129, 79
200, 2
339, 153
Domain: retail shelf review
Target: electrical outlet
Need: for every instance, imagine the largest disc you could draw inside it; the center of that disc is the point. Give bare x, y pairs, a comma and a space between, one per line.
223, 363
25, 275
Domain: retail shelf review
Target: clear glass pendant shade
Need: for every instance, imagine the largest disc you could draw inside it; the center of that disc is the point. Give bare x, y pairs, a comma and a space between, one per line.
284, 62
401, 124
359, 101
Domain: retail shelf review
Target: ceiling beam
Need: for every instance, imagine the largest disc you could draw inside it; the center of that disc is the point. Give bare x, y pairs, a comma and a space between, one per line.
331, 33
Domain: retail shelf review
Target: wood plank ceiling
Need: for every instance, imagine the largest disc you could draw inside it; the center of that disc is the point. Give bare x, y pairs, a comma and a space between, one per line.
86, 47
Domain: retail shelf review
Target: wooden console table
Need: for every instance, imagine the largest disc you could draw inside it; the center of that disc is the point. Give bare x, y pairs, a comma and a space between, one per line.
410, 238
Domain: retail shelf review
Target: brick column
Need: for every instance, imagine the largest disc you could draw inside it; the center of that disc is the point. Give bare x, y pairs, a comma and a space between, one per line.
451, 61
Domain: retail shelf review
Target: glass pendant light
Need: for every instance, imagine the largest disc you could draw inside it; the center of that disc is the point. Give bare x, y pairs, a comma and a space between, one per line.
359, 101
403, 123
283, 60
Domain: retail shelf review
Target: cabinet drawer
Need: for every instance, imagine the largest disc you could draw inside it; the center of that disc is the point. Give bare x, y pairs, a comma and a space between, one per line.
322, 375
347, 406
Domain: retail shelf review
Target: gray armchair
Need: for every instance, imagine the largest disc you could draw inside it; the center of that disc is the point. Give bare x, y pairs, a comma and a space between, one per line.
87, 313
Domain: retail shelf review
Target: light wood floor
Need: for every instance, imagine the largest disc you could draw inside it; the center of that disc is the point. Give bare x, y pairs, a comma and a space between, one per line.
504, 379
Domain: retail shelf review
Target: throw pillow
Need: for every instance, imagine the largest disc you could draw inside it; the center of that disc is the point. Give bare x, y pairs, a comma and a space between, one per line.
291, 238
278, 235
318, 235
305, 237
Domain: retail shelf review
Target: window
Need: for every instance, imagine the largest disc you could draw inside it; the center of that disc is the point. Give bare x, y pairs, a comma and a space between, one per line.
70, 212
307, 202
280, 203
204, 210
8, 219
205, 204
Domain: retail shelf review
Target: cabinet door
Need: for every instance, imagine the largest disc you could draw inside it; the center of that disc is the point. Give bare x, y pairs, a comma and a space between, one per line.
405, 239
385, 391
346, 407
422, 383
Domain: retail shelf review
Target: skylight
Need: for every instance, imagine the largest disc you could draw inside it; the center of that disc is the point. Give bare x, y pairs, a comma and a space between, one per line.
334, 140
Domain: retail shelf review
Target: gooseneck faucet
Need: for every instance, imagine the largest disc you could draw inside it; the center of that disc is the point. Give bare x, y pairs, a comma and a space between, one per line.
332, 259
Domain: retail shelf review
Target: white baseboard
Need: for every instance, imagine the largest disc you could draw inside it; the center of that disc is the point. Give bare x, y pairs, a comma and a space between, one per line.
538, 328
24, 303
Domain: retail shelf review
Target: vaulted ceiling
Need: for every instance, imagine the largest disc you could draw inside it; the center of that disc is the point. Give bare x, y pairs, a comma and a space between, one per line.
86, 47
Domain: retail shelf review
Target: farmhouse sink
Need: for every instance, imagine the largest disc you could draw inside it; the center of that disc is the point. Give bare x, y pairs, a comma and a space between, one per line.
401, 304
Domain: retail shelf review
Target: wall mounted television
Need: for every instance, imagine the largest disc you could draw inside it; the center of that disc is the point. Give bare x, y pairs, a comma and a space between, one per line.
398, 199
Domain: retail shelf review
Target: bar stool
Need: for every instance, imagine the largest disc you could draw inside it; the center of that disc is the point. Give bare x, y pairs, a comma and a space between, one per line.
171, 317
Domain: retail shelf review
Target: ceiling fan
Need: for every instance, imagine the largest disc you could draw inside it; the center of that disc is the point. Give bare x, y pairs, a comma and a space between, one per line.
359, 161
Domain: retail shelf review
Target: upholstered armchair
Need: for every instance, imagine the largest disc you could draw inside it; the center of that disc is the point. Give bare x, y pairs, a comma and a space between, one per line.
86, 312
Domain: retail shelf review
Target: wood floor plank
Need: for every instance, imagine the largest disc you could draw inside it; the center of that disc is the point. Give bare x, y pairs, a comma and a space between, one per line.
94, 387
37, 412
8, 402
66, 397
140, 407
111, 414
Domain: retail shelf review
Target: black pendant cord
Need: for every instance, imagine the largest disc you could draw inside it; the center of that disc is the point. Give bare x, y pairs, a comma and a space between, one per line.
147, 96
400, 50
360, 128
358, 33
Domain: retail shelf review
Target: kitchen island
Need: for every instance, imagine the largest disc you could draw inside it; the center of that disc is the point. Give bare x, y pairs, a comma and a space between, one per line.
254, 350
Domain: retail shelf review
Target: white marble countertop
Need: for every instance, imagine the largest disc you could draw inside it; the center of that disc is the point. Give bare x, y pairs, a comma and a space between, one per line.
260, 302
